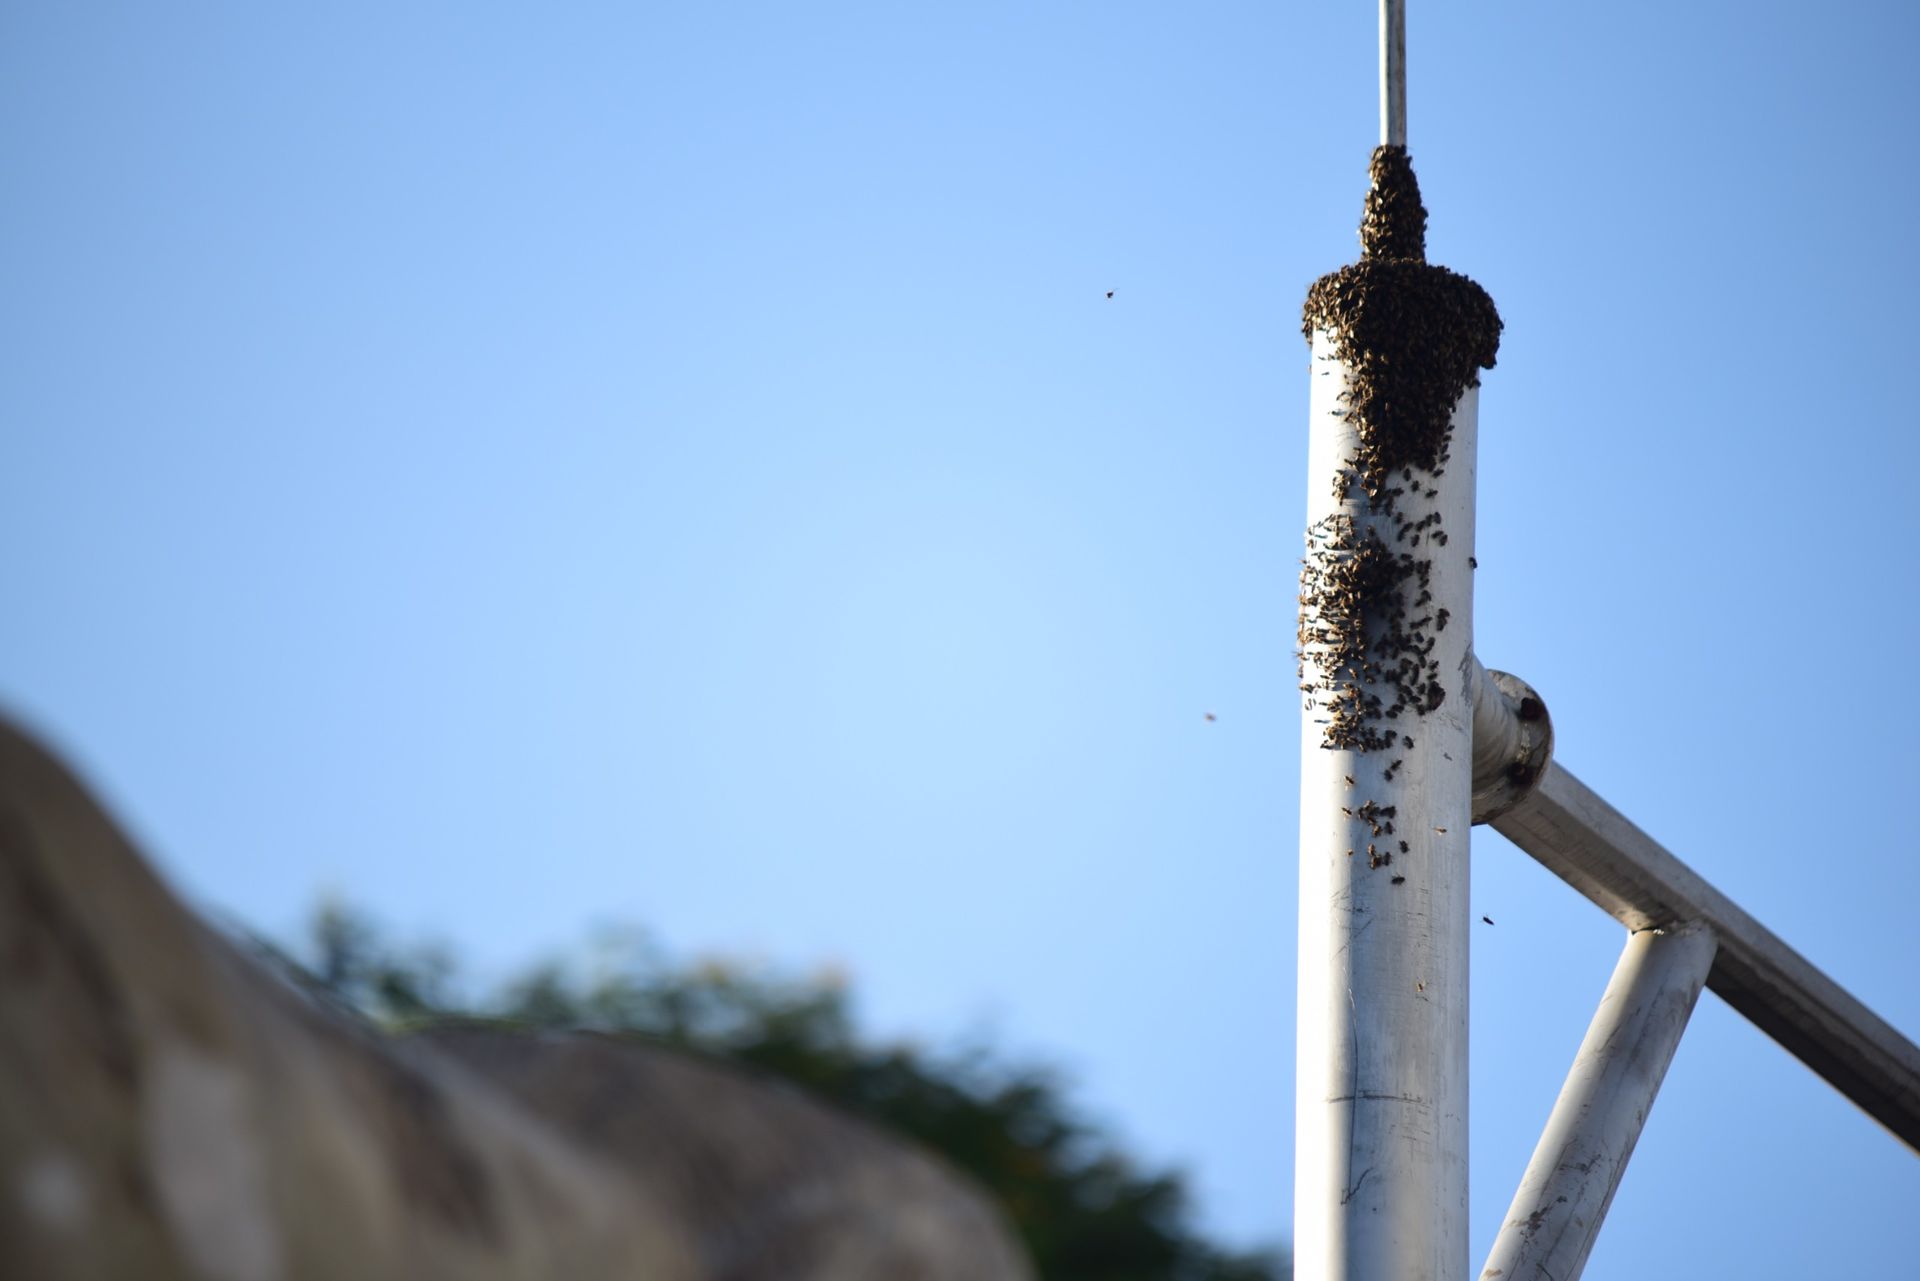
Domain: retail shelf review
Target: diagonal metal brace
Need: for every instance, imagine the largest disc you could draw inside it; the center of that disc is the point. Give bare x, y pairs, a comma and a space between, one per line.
1583, 1151
1592, 847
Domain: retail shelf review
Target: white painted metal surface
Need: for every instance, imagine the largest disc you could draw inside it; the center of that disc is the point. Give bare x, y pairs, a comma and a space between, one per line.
1564, 1194
1592, 847
1381, 1105
1393, 72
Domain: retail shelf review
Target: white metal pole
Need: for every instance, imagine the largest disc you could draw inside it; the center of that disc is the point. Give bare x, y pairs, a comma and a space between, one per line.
1386, 770
1381, 1106
1564, 1194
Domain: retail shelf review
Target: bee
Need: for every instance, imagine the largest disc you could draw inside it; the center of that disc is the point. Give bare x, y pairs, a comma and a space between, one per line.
1487, 919
1109, 293
1399, 880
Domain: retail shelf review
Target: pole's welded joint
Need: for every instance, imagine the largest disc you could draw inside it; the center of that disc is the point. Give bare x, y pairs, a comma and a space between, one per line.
1512, 740
1576, 1168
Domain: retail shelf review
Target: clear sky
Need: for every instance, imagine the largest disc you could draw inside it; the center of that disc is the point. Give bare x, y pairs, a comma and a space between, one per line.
528, 467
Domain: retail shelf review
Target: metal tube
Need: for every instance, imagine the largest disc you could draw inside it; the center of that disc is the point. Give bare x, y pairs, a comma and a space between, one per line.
1393, 72
1592, 847
1583, 1151
1381, 1106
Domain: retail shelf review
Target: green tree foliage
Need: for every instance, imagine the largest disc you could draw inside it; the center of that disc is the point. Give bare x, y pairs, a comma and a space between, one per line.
1085, 1209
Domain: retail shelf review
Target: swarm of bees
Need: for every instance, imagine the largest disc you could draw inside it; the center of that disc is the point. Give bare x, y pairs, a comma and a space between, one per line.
1394, 223
1413, 337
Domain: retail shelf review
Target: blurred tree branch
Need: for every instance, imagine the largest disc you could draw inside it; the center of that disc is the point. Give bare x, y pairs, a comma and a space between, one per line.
1083, 1207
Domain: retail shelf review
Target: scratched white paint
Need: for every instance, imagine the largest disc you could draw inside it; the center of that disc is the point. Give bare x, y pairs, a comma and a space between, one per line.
1381, 1107
206, 1163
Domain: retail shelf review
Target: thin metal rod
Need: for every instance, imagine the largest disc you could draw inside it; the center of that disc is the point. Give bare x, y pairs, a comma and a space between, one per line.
1393, 72
1592, 847
1381, 1105
1583, 1151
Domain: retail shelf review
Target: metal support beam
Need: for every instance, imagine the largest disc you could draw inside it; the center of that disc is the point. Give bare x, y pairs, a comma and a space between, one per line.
1591, 846
1583, 1151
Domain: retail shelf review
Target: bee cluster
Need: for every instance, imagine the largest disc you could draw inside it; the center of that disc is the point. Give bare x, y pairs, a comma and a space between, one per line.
1378, 818
1413, 338
1394, 222
1358, 622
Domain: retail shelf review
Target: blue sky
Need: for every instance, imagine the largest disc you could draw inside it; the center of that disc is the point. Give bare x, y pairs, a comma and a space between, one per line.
524, 468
